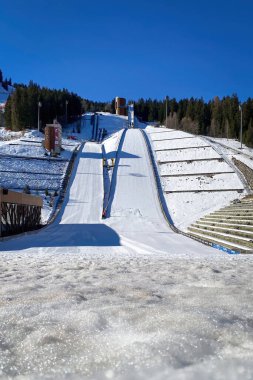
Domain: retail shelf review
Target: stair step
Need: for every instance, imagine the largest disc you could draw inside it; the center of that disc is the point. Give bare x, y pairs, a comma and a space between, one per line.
231, 216
236, 247
237, 232
233, 212
227, 237
247, 227
222, 217
237, 209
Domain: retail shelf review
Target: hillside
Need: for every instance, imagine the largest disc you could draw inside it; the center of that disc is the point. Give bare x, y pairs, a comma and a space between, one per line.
125, 297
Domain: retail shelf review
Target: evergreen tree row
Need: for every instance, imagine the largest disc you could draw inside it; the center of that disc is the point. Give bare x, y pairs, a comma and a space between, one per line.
21, 110
5, 82
216, 118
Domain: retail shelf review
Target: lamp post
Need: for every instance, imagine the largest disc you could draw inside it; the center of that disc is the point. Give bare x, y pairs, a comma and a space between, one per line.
240, 109
66, 111
166, 110
39, 106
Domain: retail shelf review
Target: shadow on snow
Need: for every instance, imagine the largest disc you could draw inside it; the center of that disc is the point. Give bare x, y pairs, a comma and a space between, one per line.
65, 235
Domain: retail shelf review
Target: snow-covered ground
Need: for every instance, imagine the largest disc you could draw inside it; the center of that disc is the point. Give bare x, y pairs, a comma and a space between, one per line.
167, 134
8, 135
111, 144
231, 148
179, 143
192, 164
224, 181
106, 314
123, 298
23, 163
186, 154
185, 208
234, 144
194, 167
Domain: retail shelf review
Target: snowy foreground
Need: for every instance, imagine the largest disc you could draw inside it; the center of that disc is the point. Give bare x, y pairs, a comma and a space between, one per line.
102, 315
123, 298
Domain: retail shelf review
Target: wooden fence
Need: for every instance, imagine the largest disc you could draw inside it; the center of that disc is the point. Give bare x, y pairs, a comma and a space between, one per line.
19, 212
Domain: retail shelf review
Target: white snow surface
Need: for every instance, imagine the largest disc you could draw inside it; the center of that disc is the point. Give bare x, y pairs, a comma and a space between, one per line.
194, 167
111, 144
123, 298
178, 143
204, 170
169, 134
234, 144
223, 181
186, 208
231, 148
8, 135
186, 154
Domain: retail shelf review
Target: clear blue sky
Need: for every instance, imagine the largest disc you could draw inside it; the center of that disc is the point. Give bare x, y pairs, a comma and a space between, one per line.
137, 48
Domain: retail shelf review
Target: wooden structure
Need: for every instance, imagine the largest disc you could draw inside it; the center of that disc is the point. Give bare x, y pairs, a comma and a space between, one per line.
19, 212
53, 137
120, 106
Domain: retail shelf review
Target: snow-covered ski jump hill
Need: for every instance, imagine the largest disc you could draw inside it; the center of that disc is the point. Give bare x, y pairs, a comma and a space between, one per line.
127, 297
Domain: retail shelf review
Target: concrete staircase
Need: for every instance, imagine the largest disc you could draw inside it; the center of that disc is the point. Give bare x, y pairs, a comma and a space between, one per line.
230, 227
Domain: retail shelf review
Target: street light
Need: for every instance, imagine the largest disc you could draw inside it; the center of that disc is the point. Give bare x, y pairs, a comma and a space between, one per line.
66, 111
39, 106
166, 110
240, 109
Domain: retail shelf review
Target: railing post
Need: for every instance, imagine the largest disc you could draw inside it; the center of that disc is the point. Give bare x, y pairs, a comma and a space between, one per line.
1, 192
0, 217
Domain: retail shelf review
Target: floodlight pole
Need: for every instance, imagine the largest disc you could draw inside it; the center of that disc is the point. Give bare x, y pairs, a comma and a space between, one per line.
66, 111
39, 106
166, 110
240, 109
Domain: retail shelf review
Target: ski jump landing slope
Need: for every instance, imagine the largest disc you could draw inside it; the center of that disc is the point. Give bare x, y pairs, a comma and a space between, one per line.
136, 223
135, 212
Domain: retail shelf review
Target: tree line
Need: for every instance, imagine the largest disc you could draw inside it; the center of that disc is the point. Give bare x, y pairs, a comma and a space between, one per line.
21, 110
4, 81
219, 117
216, 118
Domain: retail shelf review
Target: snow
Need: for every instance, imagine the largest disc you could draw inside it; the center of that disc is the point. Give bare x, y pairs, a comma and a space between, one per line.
8, 135
178, 143
17, 172
111, 144
32, 166
231, 148
194, 167
125, 297
25, 150
199, 182
35, 181
223, 241
220, 228
112, 123
247, 161
23, 163
187, 154
186, 208
125, 316
234, 144
33, 148
167, 134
